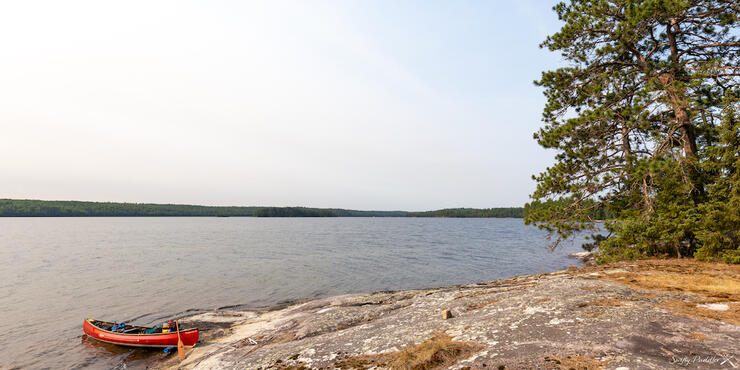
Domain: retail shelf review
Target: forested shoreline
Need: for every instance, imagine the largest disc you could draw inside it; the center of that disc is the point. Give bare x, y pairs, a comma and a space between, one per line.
510, 212
58, 208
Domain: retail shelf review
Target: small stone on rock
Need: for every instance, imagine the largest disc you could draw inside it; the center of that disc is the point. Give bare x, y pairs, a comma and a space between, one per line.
447, 314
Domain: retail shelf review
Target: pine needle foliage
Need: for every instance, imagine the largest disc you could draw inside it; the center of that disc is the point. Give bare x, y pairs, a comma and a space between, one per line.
644, 121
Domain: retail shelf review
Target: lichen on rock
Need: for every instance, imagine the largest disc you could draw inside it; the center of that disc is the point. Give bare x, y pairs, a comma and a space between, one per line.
592, 316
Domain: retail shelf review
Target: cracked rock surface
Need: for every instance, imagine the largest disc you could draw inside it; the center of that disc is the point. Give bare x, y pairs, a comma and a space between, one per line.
538, 321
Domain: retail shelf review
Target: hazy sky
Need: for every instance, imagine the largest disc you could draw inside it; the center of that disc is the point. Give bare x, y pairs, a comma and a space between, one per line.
411, 105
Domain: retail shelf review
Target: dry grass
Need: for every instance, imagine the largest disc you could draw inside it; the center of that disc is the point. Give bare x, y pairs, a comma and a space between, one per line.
439, 351
472, 307
594, 314
683, 308
646, 295
573, 362
299, 366
719, 281
722, 288
697, 336
543, 300
592, 287
712, 281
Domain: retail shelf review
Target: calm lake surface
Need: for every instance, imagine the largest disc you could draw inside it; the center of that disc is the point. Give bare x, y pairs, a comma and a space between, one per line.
58, 271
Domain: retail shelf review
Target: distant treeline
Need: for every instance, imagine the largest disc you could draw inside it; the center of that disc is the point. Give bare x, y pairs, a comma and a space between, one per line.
515, 212
322, 212
54, 208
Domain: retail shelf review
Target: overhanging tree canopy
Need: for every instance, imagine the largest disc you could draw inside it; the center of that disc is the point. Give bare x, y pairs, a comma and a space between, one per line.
644, 121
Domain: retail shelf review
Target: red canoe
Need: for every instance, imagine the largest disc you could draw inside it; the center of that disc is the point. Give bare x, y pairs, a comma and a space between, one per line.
135, 336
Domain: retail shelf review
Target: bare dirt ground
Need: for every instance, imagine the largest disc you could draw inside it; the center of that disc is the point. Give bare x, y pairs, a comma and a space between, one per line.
653, 314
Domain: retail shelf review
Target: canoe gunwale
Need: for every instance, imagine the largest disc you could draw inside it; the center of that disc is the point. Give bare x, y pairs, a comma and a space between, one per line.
93, 321
94, 329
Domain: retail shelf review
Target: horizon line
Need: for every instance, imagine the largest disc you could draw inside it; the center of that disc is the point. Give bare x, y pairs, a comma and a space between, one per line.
250, 206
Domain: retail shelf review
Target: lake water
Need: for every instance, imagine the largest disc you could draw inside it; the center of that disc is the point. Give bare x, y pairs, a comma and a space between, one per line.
58, 271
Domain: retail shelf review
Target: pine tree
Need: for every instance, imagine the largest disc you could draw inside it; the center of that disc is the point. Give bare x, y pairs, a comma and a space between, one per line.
633, 117
720, 223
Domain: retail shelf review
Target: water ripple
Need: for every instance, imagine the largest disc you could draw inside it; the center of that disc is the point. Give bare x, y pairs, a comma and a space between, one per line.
148, 270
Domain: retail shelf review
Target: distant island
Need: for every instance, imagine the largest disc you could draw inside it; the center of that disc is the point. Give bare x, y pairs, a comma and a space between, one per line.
64, 208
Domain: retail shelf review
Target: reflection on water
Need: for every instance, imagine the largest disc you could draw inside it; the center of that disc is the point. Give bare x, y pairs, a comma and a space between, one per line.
58, 271
101, 354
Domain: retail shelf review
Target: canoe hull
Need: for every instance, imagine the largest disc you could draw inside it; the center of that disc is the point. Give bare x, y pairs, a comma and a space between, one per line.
189, 337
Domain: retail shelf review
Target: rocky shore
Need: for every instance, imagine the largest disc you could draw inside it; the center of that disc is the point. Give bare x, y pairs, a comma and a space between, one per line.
655, 314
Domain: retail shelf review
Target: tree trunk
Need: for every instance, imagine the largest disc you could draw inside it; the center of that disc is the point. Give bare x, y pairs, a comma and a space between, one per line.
688, 136
626, 147
676, 92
